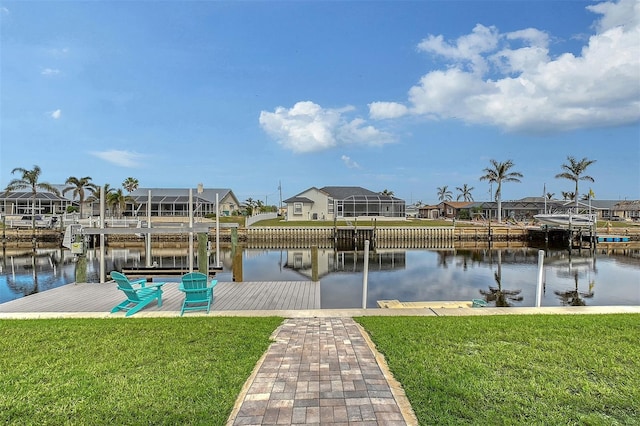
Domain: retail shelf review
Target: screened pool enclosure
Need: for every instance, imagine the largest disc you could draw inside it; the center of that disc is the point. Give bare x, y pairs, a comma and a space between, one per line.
370, 205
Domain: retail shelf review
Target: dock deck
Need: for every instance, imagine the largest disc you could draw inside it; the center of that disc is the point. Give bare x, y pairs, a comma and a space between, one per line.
229, 296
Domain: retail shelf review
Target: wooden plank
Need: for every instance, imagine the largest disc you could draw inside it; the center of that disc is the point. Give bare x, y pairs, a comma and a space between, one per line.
88, 297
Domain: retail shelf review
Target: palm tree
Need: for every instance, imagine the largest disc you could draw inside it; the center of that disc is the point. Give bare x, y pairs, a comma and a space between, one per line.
497, 174
387, 193
574, 170
550, 195
567, 195
130, 184
444, 194
118, 200
79, 186
30, 180
465, 193
95, 196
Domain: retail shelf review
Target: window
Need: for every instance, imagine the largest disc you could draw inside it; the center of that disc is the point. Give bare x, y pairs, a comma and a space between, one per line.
297, 208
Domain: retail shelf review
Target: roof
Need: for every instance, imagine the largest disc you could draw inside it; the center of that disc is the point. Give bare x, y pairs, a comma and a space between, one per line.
207, 194
19, 195
458, 204
168, 199
342, 192
628, 205
356, 193
297, 199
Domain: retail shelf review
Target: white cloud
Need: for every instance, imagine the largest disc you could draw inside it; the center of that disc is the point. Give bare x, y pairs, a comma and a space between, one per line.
511, 81
50, 71
307, 127
467, 50
4, 10
119, 157
349, 162
381, 110
56, 114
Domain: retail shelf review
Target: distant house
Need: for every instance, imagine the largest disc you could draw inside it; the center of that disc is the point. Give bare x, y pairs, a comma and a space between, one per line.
451, 209
627, 210
337, 202
21, 203
175, 202
526, 208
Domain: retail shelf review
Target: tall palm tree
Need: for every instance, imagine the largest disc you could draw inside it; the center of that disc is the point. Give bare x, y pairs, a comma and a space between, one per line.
118, 200
130, 184
550, 195
444, 194
499, 173
465, 193
568, 195
574, 170
30, 180
79, 186
95, 196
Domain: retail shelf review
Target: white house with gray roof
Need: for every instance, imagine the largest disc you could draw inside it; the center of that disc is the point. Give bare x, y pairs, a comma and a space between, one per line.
340, 202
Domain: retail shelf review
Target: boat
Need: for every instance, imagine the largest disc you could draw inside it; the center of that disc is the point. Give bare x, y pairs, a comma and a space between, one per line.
574, 220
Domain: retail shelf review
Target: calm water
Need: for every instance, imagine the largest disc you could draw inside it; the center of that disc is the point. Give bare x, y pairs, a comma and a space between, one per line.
505, 277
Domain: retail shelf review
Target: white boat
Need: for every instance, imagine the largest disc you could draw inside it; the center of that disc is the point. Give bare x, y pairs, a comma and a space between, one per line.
574, 220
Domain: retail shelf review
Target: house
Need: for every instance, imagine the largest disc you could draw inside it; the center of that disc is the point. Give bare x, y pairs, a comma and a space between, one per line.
620, 210
526, 208
337, 202
22, 203
175, 202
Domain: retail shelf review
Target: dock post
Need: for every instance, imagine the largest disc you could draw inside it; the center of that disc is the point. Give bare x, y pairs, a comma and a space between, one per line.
203, 259
314, 263
365, 275
540, 277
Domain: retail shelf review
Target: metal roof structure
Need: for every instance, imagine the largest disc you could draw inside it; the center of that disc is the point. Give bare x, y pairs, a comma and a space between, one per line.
17, 195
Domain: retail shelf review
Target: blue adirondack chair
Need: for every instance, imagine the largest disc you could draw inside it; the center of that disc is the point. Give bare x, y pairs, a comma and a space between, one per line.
139, 293
198, 292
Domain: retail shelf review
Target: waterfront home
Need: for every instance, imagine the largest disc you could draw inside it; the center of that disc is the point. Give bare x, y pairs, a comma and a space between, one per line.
175, 202
17, 203
338, 202
446, 209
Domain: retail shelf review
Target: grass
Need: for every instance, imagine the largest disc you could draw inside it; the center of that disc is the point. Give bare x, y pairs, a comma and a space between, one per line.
573, 369
141, 371
329, 223
547, 369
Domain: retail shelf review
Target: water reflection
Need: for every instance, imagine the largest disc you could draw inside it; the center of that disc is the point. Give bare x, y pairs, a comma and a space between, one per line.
575, 297
504, 277
502, 298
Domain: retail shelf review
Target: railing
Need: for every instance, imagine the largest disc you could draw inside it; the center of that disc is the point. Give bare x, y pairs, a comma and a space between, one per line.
258, 217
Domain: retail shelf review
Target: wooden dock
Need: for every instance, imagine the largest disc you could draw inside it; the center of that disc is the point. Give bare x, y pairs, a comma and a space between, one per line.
229, 296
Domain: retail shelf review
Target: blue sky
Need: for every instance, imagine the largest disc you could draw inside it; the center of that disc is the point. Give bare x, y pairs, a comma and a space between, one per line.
405, 96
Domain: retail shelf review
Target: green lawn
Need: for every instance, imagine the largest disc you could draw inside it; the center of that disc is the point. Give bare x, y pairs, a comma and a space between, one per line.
133, 371
329, 223
546, 370
551, 369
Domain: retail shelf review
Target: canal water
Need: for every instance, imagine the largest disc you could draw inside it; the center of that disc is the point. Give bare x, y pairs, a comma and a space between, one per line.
501, 277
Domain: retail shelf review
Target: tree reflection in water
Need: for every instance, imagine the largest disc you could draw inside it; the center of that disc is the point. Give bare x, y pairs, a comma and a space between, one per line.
574, 297
502, 298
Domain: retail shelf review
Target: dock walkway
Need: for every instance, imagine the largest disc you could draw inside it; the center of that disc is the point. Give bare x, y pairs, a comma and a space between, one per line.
229, 296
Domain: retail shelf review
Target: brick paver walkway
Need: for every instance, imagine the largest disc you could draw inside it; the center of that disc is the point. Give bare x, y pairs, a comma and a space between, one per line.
319, 371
